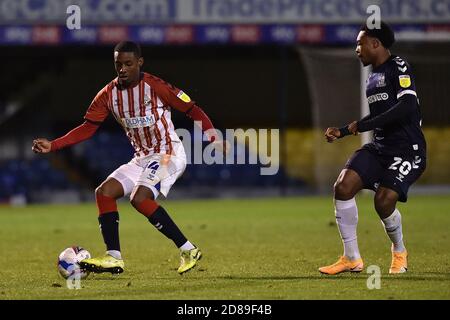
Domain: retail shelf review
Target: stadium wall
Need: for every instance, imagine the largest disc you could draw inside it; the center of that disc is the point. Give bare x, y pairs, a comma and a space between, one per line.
310, 158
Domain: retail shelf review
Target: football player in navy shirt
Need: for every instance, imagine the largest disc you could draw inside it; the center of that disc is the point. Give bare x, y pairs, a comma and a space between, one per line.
395, 158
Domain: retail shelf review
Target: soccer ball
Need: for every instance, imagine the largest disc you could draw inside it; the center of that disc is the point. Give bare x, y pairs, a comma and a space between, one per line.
68, 262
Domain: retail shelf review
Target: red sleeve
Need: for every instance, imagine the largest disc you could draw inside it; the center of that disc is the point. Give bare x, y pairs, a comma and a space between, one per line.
80, 133
197, 114
98, 110
177, 99
170, 94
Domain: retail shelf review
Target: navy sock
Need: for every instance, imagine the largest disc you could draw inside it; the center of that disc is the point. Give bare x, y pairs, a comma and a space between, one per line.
162, 221
109, 224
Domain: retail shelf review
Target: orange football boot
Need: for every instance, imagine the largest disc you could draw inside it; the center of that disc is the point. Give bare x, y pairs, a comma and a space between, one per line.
399, 262
343, 265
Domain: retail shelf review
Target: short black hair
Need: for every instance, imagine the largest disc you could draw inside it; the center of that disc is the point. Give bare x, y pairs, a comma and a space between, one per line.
128, 46
384, 34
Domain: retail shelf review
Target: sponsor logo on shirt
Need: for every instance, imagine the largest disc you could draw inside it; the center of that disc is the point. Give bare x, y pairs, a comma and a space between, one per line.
378, 97
138, 122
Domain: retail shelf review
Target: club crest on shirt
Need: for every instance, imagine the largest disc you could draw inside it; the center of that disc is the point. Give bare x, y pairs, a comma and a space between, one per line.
405, 81
381, 80
377, 80
147, 100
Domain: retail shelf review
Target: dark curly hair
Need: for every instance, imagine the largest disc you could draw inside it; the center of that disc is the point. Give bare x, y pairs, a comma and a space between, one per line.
384, 34
128, 46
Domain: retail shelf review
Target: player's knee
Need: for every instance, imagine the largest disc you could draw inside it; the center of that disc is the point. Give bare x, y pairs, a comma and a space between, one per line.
343, 190
137, 198
105, 202
384, 203
139, 194
100, 191
103, 190
143, 203
109, 189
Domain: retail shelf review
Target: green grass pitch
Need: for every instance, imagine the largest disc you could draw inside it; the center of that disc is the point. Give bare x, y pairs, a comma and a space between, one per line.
253, 249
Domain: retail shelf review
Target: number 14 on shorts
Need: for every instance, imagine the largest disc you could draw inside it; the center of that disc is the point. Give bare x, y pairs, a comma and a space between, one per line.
153, 167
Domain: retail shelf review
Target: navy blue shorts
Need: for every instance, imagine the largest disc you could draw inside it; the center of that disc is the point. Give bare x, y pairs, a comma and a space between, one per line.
397, 173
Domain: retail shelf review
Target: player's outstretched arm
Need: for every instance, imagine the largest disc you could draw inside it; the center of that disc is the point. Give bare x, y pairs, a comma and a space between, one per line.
77, 135
352, 128
334, 133
402, 109
198, 115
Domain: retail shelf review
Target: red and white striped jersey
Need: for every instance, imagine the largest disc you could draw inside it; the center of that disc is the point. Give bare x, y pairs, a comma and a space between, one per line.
143, 112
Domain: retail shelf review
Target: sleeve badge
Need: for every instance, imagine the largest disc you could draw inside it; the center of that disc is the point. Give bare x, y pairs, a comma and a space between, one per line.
183, 96
405, 81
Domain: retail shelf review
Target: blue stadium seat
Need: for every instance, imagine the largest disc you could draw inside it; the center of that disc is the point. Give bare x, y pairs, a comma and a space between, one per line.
24, 176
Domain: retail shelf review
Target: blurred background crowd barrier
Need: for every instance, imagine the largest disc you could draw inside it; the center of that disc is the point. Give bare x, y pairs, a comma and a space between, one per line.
276, 64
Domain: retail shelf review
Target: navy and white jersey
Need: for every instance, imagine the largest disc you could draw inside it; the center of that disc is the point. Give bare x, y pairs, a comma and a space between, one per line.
386, 86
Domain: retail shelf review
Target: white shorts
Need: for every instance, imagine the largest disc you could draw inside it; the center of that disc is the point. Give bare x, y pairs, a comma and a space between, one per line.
158, 171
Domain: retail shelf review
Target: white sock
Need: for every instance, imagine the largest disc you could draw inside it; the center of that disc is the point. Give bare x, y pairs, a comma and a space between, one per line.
187, 246
393, 227
347, 219
115, 254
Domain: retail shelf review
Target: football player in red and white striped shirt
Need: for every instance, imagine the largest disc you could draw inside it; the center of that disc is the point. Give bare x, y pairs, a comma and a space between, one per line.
141, 103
